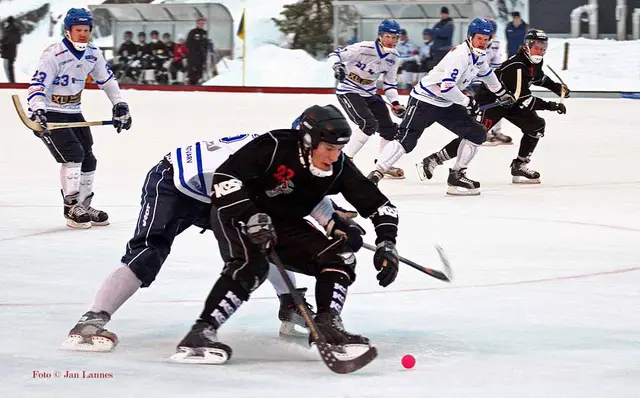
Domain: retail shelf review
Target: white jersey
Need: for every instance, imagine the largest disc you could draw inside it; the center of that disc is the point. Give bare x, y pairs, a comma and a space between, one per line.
365, 62
62, 71
443, 85
494, 54
195, 164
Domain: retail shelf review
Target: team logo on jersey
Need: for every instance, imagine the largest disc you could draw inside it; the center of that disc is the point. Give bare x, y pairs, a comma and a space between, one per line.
65, 62
284, 188
91, 58
284, 175
227, 187
390, 61
66, 99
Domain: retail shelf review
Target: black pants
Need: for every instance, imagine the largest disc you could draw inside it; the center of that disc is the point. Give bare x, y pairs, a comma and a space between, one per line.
526, 120
70, 145
421, 115
165, 213
9, 69
301, 247
195, 69
370, 114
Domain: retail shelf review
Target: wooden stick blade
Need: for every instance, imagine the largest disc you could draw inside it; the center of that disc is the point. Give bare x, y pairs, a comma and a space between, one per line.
30, 124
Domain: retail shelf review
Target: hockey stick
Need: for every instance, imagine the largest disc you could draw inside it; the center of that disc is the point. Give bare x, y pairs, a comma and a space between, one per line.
516, 93
562, 90
35, 126
326, 350
445, 276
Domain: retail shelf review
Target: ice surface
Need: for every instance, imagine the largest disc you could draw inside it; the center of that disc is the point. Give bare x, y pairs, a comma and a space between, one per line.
544, 302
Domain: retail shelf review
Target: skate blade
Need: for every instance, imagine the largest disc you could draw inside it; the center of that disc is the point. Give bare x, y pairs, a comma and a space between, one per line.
78, 225
201, 356
394, 176
524, 180
349, 351
491, 143
95, 343
421, 174
459, 191
288, 330
99, 223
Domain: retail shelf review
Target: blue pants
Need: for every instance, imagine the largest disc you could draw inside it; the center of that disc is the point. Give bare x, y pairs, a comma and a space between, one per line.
70, 145
165, 213
421, 115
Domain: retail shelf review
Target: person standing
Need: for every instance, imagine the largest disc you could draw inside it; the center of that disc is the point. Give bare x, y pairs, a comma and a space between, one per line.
11, 37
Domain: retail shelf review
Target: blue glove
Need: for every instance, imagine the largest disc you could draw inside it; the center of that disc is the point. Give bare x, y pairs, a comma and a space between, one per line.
121, 116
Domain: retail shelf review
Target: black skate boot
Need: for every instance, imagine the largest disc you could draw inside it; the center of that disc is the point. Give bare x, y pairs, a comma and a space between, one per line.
521, 174
75, 214
375, 176
428, 164
98, 217
290, 315
201, 345
460, 185
330, 325
89, 334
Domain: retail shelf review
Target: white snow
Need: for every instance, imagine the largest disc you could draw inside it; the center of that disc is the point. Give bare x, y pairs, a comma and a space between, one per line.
594, 65
544, 302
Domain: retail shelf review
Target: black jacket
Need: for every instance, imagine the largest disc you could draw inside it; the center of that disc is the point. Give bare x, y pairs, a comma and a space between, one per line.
11, 37
531, 74
267, 175
197, 42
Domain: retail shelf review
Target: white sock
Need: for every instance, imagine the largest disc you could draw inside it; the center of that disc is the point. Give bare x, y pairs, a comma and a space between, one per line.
466, 151
121, 284
357, 141
277, 282
391, 153
86, 185
70, 178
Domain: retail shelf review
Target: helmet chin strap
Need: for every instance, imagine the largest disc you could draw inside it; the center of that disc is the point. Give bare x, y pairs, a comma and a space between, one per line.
306, 160
78, 46
383, 48
476, 51
536, 59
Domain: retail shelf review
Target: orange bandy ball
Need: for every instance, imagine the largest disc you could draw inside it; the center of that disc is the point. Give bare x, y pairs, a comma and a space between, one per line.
408, 361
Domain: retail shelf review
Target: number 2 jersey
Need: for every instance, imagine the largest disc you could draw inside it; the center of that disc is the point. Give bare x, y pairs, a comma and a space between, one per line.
62, 72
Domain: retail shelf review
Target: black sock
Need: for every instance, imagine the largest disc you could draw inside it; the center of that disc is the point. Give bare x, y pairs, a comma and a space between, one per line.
450, 150
225, 298
527, 145
331, 291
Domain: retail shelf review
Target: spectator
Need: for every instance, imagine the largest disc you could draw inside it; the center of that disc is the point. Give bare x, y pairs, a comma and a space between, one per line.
442, 36
11, 37
166, 39
179, 61
515, 32
128, 48
142, 41
197, 44
424, 50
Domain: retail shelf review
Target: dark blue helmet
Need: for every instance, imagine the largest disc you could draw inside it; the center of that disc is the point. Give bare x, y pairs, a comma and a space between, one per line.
494, 24
480, 26
403, 32
427, 31
78, 16
389, 26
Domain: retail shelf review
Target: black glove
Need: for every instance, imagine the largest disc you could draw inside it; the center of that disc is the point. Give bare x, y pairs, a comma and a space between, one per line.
339, 71
385, 260
39, 117
558, 107
472, 107
342, 212
398, 110
260, 231
559, 88
344, 228
121, 116
505, 98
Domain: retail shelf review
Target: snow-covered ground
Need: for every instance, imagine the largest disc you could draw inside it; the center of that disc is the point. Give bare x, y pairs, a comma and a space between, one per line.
544, 302
594, 65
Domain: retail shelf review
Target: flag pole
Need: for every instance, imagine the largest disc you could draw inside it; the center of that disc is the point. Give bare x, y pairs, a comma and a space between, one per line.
244, 46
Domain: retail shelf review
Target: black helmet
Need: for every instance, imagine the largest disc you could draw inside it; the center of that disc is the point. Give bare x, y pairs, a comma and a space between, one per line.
324, 123
536, 35
532, 37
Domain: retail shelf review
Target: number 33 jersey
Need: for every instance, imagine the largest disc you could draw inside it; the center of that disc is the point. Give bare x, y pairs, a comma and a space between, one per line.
62, 71
194, 165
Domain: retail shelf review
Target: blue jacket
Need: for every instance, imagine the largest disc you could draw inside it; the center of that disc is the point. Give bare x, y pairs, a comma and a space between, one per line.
515, 37
442, 33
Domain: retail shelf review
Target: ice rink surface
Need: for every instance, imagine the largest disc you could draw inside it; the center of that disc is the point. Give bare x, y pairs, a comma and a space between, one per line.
544, 302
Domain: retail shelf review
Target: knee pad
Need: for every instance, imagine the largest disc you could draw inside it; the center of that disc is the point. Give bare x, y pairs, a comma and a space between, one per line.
477, 135
341, 260
536, 130
249, 273
89, 163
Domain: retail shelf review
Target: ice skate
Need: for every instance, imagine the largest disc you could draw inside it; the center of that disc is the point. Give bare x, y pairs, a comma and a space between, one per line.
89, 334
460, 185
491, 140
331, 327
76, 215
201, 346
394, 173
502, 139
290, 316
521, 174
426, 167
98, 217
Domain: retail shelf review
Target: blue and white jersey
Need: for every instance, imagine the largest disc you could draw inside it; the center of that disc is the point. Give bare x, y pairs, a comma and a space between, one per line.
365, 62
194, 164
443, 85
62, 71
406, 49
494, 58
